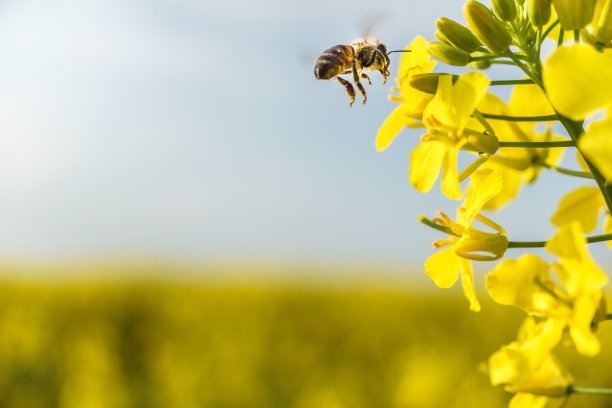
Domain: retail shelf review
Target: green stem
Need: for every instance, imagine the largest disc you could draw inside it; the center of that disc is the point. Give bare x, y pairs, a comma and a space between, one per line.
512, 82
575, 130
577, 36
542, 118
502, 62
558, 143
493, 56
575, 173
525, 69
549, 29
484, 122
438, 227
575, 389
561, 34
609, 316
542, 244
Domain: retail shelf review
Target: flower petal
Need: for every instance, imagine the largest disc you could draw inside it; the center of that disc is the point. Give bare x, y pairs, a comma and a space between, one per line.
582, 205
443, 268
596, 145
486, 183
513, 282
425, 162
391, 127
577, 79
467, 281
578, 273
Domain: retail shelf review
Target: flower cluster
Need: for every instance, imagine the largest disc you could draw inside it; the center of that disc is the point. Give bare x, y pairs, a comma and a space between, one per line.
511, 143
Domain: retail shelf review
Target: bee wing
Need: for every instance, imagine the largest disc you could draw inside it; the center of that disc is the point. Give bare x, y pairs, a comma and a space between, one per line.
370, 23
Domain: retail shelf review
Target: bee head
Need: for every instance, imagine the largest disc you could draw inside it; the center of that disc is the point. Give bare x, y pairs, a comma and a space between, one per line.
383, 50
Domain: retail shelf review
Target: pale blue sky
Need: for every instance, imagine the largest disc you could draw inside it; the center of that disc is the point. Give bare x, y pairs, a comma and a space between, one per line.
196, 129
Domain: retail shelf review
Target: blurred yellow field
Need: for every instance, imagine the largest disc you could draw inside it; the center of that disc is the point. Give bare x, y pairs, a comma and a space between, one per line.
192, 344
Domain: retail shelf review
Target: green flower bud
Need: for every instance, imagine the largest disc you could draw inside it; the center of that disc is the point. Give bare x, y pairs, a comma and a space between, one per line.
489, 30
538, 12
428, 83
441, 38
481, 143
602, 21
457, 35
574, 14
505, 10
480, 64
447, 53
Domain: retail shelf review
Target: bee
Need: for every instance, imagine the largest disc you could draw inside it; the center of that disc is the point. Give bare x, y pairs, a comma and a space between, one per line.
353, 59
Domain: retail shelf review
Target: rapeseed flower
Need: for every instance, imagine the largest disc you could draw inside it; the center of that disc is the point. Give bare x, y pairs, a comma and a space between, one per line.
446, 117
526, 283
527, 367
412, 101
466, 242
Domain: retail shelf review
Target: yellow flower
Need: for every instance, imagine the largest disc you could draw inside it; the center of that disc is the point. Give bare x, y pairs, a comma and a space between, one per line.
467, 242
518, 165
412, 101
446, 117
527, 367
526, 283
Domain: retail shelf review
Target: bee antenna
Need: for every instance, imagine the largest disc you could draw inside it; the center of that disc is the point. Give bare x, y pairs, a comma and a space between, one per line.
399, 51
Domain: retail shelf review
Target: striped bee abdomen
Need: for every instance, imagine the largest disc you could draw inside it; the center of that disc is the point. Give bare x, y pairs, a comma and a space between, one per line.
333, 61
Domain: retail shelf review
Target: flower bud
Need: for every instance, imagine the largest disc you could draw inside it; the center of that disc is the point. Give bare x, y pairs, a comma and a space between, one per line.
447, 53
457, 35
505, 10
481, 143
428, 83
602, 21
574, 14
538, 12
480, 64
489, 30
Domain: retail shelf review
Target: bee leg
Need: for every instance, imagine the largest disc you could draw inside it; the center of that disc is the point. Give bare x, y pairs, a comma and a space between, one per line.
385, 75
349, 88
364, 76
356, 75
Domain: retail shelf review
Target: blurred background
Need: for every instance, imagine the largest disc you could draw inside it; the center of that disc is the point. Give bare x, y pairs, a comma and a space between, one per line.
189, 219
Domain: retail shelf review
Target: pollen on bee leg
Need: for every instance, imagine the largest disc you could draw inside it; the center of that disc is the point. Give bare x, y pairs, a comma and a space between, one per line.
349, 89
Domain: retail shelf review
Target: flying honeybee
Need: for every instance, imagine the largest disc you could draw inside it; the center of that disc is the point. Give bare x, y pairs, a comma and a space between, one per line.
353, 59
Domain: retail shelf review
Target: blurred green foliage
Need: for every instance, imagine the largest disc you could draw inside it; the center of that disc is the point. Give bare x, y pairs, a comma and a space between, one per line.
197, 345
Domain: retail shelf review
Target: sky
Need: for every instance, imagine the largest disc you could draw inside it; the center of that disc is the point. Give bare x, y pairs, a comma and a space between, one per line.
196, 130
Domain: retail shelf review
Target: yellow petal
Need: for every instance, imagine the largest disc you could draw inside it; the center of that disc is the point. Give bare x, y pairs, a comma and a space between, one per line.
486, 183
443, 268
580, 327
453, 105
511, 180
513, 282
583, 205
529, 100
425, 163
467, 281
578, 272
394, 123
596, 145
577, 79
526, 400
450, 180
